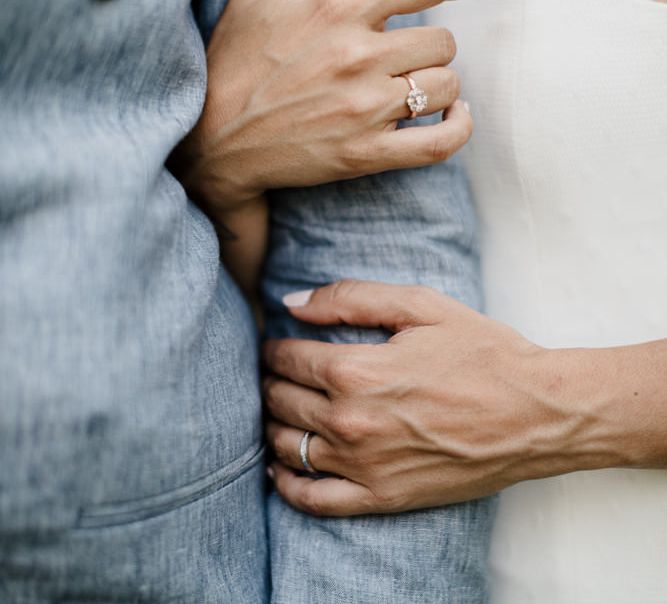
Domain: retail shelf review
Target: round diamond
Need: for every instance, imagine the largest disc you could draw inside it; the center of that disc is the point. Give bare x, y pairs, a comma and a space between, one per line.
417, 100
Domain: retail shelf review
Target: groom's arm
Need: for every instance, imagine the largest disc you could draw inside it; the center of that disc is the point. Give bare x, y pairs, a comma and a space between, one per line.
407, 226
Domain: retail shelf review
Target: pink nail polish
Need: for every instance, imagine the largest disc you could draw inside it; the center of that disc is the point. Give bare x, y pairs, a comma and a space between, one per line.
271, 473
296, 299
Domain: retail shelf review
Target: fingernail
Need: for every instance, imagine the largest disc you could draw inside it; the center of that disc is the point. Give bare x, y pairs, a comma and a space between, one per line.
298, 298
466, 106
271, 473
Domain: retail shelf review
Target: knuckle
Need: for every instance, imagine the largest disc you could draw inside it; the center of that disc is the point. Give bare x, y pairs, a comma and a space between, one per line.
353, 58
418, 301
354, 372
339, 371
342, 289
344, 425
419, 297
406, 317
358, 105
350, 426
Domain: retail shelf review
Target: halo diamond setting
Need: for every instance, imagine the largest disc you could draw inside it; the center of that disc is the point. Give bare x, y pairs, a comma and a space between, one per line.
417, 100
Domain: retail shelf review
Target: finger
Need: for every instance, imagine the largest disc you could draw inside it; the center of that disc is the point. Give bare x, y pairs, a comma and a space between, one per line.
296, 405
321, 497
286, 443
371, 304
301, 361
414, 48
424, 145
314, 364
441, 85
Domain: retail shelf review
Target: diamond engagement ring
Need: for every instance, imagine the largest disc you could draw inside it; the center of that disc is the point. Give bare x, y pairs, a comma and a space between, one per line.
417, 100
303, 450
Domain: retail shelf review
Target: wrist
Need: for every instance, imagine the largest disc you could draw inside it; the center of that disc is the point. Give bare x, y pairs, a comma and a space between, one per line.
209, 175
579, 423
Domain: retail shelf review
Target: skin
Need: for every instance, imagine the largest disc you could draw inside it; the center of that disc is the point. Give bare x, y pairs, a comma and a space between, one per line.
304, 92
453, 407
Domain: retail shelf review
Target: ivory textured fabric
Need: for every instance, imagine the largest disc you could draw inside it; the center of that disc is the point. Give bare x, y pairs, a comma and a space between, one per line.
568, 167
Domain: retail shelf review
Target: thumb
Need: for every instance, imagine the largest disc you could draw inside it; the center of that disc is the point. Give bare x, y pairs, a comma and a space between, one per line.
368, 304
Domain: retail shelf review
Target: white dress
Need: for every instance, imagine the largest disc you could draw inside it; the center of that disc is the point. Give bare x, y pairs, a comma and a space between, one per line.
568, 165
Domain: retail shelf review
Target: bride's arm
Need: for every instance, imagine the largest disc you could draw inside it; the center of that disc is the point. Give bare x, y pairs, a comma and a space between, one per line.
623, 393
454, 407
289, 104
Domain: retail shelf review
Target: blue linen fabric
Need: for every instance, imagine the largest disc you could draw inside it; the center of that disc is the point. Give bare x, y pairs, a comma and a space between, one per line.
405, 227
130, 417
402, 227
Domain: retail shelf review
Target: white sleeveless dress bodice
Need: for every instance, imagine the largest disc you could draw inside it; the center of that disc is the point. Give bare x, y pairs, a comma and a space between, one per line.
568, 165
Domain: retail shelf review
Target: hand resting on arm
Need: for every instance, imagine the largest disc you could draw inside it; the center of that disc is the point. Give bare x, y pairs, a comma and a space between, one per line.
454, 406
308, 92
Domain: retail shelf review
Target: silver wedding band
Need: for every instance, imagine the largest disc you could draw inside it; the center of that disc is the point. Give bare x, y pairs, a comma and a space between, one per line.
303, 450
417, 101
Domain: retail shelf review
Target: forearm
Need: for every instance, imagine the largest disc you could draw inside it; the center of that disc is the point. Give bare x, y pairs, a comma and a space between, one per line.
413, 226
404, 227
613, 408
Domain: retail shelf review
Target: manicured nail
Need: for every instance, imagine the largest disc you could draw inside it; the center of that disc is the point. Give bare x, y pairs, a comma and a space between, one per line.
466, 106
270, 472
298, 298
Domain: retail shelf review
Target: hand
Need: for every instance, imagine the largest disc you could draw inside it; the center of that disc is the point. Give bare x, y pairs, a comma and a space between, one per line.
453, 407
303, 92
